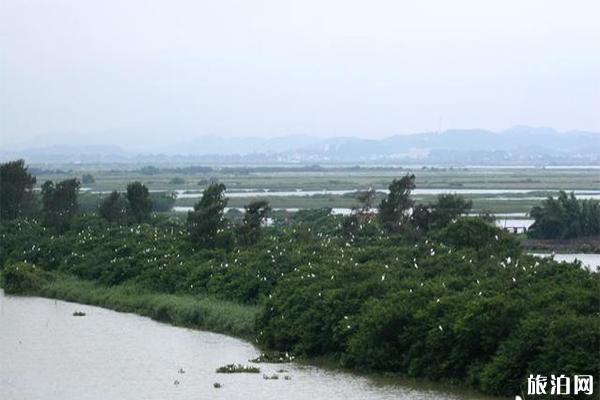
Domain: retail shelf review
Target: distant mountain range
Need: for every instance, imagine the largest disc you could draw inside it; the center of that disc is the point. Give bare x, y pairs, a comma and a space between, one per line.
520, 145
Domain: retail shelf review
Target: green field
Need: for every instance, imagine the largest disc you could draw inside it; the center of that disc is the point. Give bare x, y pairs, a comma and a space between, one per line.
544, 181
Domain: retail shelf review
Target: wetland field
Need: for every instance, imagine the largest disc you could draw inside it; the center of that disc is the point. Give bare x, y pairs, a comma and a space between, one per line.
492, 189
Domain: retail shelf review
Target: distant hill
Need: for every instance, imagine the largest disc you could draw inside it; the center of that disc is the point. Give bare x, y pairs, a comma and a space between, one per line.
518, 145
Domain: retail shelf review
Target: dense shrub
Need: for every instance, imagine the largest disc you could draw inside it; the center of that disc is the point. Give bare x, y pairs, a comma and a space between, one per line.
565, 217
459, 304
22, 278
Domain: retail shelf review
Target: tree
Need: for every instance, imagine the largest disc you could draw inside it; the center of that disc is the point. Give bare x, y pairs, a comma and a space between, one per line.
255, 216
394, 208
422, 217
177, 181
139, 201
206, 219
88, 179
360, 215
565, 217
59, 203
446, 208
366, 199
149, 170
114, 208
162, 201
16, 196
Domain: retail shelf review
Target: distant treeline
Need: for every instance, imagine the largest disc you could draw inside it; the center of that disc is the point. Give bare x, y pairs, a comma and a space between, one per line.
565, 217
242, 170
58, 202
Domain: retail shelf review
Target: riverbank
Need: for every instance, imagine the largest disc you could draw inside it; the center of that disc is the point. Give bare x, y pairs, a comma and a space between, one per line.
198, 312
124, 356
578, 245
374, 302
218, 316
210, 314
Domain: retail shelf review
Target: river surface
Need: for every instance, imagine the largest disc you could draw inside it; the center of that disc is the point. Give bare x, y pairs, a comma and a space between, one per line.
243, 193
47, 353
589, 261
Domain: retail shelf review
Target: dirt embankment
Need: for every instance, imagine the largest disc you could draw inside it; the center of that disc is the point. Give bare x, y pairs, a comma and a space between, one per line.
579, 245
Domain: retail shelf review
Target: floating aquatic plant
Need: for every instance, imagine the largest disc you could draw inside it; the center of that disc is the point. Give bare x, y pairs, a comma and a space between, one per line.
237, 368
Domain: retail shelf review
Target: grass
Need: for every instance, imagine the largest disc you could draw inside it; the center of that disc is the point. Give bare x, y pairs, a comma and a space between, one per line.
342, 178
182, 310
111, 177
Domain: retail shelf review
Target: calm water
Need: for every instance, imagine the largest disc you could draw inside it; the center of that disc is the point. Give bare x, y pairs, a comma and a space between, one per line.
514, 223
182, 194
46, 353
588, 260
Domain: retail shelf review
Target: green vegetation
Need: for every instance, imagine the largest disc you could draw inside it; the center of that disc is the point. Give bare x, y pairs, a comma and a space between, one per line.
59, 203
139, 201
114, 208
162, 201
197, 311
237, 368
205, 222
565, 217
273, 357
455, 300
255, 215
177, 181
22, 278
544, 181
394, 208
16, 197
88, 179
134, 206
446, 208
114, 177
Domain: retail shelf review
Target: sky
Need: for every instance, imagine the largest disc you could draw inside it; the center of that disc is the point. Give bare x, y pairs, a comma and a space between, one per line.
123, 72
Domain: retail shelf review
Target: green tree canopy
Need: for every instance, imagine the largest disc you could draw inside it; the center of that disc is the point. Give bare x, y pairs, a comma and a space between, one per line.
256, 213
114, 208
446, 208
206, 219
139, 201
88, 179
565, 217
16, 197
59, 203
394, 208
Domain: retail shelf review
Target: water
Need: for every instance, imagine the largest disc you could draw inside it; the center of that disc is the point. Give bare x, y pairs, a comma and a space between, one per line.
243, 193
240, 209
47, 353
334, 211
511, 223
589, 261
503, 221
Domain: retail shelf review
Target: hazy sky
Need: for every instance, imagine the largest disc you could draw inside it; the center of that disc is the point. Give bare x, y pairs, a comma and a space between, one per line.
119, 70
